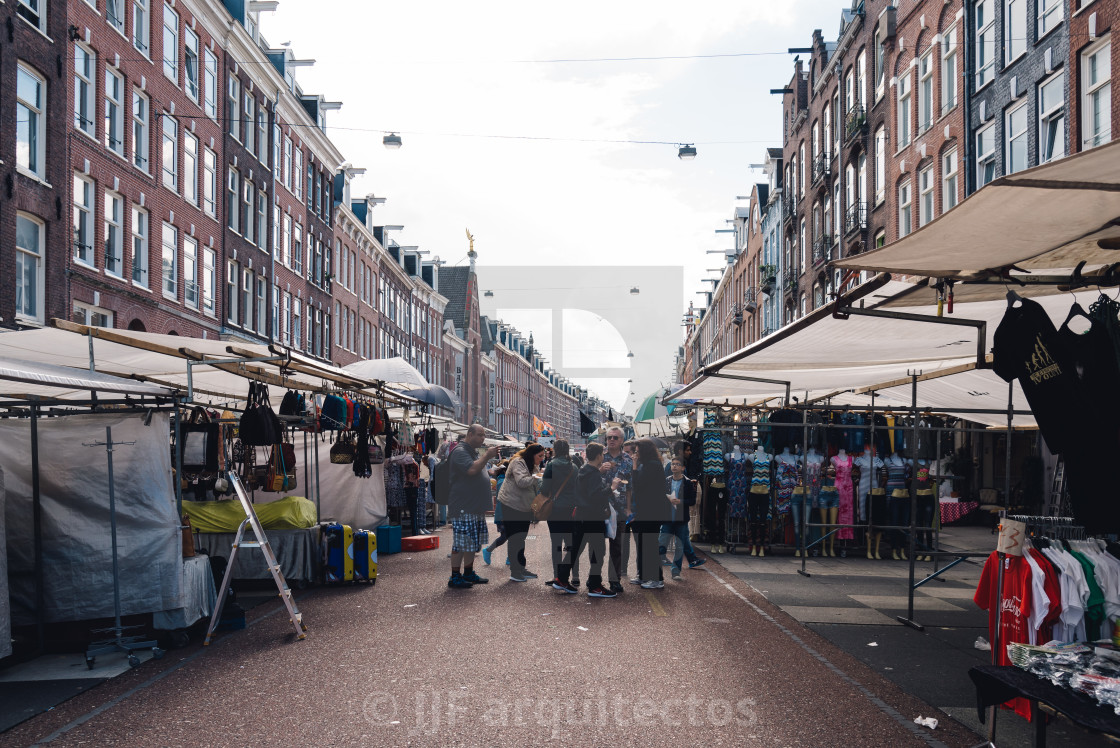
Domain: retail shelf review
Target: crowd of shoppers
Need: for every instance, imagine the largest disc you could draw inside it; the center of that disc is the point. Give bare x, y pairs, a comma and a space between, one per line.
597, 503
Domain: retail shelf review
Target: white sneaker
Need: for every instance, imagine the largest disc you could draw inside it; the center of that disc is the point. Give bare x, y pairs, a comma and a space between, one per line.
653, 585
635, 580
517, 579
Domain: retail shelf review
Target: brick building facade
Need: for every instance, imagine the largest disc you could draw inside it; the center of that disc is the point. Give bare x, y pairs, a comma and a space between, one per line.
1093, 111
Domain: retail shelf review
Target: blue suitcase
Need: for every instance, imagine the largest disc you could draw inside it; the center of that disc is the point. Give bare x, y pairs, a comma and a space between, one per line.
338, 553
365, 556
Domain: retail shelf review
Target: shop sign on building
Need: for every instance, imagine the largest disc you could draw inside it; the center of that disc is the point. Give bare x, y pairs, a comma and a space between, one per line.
459, 375
493, 396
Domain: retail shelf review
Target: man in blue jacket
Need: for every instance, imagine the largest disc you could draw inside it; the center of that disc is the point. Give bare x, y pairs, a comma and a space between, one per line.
682, 492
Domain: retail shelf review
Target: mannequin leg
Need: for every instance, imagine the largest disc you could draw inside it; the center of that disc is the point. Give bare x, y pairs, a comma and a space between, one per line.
878, 542
833, 514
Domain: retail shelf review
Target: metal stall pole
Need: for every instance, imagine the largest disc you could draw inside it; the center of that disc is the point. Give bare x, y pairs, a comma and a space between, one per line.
805, 508
909, 619
871, 466
178, 421
315, 448
1007, 464
37, 521
936, 518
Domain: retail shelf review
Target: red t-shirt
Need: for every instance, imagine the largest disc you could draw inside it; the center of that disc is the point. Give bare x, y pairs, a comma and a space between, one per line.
1014, 610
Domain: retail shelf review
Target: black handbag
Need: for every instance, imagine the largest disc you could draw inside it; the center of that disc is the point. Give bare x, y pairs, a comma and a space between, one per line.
259, 426
198, 442
342, 451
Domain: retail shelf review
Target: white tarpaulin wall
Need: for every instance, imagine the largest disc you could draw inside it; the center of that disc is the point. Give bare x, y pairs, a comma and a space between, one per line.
5, 604
343, 497
73, 483
1050, 216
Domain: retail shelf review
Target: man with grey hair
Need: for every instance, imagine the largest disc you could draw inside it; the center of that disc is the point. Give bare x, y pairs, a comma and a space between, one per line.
467, 504
619, 465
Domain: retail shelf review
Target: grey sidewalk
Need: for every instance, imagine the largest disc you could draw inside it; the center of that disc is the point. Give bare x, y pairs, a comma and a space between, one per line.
853, 602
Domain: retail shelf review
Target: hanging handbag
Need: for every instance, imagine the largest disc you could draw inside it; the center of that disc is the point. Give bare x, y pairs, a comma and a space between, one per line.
542, 503
333, 415
342, 451
198, 442
259, 425
289, 406
279, 478
376, 454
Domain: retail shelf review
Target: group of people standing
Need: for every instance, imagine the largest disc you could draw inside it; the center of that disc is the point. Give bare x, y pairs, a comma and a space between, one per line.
614, 493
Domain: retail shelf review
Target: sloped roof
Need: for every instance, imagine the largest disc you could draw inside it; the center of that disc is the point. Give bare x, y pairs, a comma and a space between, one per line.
763, 193
453, 282
487, 325
775, 152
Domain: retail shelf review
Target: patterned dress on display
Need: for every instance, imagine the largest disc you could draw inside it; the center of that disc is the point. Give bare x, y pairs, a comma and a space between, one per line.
814, 469
713, 446
847, 506
737, 487
788, 473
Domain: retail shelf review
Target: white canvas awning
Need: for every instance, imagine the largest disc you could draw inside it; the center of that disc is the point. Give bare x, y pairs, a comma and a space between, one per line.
162, 360
822, 356
32, 380
1051, 216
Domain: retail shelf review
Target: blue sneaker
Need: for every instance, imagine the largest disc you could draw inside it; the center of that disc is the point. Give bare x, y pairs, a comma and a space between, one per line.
486, 555
697, 562
507, 561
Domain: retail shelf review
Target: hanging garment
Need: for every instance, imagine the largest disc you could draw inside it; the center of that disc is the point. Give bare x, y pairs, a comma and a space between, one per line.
394, 485
869, 468
737, 487
788, 436
882, 440
713, 445
854, 438
897, 473
760, 478
814, 471
1010, 613
847, 506
788, 475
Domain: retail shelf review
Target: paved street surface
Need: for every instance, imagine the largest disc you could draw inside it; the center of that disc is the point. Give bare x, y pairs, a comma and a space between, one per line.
707, 661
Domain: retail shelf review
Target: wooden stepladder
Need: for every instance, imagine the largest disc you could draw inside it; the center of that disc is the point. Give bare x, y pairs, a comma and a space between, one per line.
253, 523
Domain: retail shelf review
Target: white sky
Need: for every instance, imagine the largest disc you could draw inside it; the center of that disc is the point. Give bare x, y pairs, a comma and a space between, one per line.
427, 69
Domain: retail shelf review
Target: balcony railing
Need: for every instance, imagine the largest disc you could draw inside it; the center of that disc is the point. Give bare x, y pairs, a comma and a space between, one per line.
750, 300
822, 250
790, 210
855, 121
789, 281
822, 167
855, 219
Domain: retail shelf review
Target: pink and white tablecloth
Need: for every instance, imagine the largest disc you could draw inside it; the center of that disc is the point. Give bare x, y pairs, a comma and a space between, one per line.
951, 511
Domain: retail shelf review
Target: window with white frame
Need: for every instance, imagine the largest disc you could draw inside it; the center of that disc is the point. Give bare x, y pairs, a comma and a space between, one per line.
1015, 129
209, 279
141, 114
297, 247
826, 144
1052, 118
275, 232
250, 130
297, 173
985, 155
141, 31
170, 261
114, 14
274, 333
286, 242
85, 68
190, 63
114, 112
233, 274
880, 64
286, 172
210, 83
904, 99
262, 133
114, 234
849, 91
1015, 29
949, 70
286, 320
861, 78
984, 15
949, 180
233, 107
880, 165
1096, 94
276, 139
262, 305
262, 219
926, 184
905, 208
310, 182
802, 243
29, 267
801, 180
925, 92
83, 220
170, 152
233, 201
190, 272
297, 322
1050, 14
247, 298
171, 44
209, 183
139, 246
248, 203
93, 316
190, 168
816, 141
34, 12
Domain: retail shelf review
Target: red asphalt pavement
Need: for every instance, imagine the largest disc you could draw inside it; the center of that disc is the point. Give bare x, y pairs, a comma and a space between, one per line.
706, 661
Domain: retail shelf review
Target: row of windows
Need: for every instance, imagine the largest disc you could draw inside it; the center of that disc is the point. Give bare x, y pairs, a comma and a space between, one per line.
1016, 32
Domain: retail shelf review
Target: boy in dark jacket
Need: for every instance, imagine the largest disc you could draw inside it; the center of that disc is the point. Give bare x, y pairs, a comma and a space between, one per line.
592, 510
683, 491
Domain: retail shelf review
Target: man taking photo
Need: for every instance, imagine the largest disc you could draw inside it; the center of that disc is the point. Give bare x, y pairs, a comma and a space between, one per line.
467, 504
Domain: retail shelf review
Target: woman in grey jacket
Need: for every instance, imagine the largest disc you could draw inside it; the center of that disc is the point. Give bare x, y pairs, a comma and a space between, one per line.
518, 491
